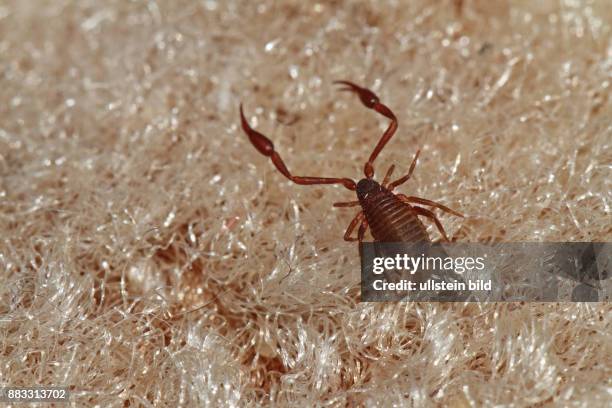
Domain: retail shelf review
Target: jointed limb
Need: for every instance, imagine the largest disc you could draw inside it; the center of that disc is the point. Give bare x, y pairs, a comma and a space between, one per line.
371, 100
405, 178
358, 219
426, 213
419, 200
388, 176
362, 230
266, 147
347, 204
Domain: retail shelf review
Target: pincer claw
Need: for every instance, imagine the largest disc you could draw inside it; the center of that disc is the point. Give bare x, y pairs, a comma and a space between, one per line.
367, 97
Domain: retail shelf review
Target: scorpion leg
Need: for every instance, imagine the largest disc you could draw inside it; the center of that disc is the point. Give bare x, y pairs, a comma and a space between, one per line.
405, 178
358, 219
419, 200
388, 176
362, 230
371, 100
347, 204
426, 213
266, 147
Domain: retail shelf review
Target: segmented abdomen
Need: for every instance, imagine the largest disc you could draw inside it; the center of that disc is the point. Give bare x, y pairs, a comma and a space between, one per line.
392, 220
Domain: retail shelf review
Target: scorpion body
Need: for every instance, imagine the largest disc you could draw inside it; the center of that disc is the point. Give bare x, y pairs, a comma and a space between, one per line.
390, 219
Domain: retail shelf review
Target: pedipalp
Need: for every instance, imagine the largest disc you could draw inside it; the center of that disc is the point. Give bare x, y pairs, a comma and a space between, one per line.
266, 147
370, 100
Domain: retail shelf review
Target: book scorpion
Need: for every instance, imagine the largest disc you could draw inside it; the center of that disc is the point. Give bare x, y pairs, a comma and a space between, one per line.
391, 217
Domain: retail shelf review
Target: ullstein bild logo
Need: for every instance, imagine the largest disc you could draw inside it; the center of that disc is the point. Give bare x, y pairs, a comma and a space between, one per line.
501, 272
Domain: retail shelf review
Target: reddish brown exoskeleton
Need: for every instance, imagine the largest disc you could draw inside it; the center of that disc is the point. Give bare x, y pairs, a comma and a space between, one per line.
391, 217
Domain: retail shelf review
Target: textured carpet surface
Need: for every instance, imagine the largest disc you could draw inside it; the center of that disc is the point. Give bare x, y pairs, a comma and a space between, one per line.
149, 256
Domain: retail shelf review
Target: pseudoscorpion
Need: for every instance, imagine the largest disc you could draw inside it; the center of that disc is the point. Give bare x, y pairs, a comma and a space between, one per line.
391, 217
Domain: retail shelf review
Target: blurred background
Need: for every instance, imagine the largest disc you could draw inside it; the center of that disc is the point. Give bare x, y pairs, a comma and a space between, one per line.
149, 256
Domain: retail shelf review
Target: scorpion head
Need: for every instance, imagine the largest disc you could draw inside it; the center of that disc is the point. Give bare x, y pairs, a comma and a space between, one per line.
367, 187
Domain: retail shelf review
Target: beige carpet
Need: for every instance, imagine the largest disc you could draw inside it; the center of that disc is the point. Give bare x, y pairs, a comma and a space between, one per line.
149, 256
